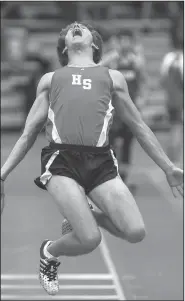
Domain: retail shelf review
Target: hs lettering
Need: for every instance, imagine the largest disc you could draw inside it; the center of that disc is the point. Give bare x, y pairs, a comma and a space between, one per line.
85, 83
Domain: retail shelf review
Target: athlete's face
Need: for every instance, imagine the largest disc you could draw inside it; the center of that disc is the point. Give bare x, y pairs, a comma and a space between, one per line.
78, 34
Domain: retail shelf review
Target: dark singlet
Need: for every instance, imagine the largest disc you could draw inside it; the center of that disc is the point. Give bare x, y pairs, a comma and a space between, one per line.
80, 110
128, 67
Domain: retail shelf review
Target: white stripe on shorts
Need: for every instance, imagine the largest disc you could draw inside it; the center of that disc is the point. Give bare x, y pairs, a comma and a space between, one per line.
45, 177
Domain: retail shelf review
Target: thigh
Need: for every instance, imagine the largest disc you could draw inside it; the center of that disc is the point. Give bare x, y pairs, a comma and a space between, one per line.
116, 201
72, 203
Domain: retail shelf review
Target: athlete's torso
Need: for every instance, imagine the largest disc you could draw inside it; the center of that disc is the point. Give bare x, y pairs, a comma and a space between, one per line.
80, 109
128, 67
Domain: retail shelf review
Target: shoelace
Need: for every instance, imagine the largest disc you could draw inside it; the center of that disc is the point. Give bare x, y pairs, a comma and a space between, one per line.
50, 269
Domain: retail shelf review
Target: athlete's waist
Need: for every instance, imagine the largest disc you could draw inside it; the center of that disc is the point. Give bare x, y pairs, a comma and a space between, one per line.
79, 148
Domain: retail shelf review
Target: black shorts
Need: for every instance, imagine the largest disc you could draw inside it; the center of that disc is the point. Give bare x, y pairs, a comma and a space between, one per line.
88, 166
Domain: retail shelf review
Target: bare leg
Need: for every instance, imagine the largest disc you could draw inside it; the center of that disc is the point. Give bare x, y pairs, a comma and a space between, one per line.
104, 222
117, 203
73, 205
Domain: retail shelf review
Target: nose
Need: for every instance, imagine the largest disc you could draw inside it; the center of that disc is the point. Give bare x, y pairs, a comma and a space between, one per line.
76, 25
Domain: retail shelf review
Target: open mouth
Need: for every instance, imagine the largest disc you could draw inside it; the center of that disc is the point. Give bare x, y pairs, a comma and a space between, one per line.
77, 32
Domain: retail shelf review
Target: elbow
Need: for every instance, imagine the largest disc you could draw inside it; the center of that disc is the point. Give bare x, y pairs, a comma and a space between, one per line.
25, 136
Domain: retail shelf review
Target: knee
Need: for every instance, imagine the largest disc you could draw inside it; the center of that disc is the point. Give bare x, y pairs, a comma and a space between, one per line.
135, 234
91, 241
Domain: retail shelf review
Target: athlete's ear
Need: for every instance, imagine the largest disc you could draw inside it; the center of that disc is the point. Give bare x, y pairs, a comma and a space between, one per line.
65, 49
94, 46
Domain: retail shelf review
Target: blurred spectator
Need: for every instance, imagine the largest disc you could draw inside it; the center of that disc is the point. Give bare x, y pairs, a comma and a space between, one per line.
131, 64
18, 55
113, 43
173, 85
44, 66
160, 9
177, 31
11, 10
3, 44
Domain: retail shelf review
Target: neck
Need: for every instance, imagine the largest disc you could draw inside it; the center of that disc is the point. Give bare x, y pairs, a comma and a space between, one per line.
80, 58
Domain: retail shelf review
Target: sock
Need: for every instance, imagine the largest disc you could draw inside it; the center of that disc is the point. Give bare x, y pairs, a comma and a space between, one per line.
45, 251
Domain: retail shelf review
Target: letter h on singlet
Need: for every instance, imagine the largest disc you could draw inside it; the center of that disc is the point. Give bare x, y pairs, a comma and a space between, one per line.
76, 79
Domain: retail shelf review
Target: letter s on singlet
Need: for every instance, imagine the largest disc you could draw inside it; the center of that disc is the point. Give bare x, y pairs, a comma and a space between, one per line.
87, 84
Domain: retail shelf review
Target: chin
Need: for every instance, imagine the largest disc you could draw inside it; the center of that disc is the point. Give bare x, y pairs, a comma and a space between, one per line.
77, 38
78, 43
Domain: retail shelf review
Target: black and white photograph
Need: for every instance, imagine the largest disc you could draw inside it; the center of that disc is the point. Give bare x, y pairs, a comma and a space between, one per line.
92, 150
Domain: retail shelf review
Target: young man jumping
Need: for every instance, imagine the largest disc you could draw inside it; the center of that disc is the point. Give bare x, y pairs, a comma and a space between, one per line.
76, 105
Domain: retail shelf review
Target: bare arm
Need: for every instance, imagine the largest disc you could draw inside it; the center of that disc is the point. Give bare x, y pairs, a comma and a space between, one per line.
131, 116
34, 123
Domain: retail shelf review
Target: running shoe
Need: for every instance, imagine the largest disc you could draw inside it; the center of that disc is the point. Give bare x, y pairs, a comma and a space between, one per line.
48, 275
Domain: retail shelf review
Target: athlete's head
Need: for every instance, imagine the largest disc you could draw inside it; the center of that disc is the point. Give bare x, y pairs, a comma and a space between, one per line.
79, 36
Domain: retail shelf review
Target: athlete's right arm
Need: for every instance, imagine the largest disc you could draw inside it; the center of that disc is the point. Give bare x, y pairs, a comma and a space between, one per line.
34, 123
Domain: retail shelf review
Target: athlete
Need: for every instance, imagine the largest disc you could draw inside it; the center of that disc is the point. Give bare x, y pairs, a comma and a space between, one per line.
76, 105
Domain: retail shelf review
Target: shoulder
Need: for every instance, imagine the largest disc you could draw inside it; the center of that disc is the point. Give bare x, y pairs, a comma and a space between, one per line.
45, 82
168, 58
117, 79
166, 62
47, 78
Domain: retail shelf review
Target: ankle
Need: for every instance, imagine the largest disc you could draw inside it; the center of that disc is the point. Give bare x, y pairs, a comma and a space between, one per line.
46, 250
51, 251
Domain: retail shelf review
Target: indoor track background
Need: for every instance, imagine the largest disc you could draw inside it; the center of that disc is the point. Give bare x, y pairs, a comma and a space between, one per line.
150, 270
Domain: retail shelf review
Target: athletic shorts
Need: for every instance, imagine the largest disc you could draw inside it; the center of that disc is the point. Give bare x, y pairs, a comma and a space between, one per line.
88, 166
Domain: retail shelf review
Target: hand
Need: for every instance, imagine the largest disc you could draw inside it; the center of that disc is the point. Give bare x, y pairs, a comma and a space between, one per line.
2, 196
175, 179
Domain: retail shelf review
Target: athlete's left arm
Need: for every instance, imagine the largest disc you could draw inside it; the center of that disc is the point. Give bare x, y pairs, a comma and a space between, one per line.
127, 111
